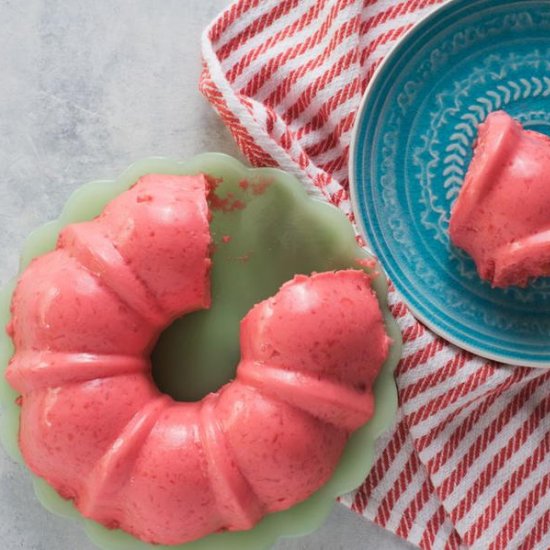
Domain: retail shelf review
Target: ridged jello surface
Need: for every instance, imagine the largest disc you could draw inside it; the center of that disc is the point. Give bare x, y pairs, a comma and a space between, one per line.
501, 215
95, 426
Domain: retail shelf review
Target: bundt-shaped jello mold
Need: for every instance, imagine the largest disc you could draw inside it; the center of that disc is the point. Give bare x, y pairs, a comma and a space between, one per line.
256, 249
501, 216
94, 425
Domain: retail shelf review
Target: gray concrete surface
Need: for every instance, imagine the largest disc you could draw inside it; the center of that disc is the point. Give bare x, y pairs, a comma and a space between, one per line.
86, 88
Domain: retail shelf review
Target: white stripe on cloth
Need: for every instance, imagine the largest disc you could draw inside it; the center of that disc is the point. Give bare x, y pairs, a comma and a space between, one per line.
343, 46
260, 38
519, 494
241, 24
508, 465
236, 106
489, 416
538, 511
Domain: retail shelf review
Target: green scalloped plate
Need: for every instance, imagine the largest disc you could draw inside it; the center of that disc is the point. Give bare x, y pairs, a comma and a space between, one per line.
280, 232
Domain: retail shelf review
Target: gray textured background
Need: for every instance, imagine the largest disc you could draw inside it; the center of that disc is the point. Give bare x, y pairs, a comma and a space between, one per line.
86, 88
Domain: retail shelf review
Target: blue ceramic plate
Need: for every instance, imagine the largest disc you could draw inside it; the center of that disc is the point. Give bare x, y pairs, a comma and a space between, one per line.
411, 149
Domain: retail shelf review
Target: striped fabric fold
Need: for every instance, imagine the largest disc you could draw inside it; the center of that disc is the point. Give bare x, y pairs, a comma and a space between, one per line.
467, 464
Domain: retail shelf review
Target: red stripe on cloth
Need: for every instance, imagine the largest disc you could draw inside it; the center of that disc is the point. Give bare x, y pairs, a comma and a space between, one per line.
492, 393
344, 182
359, 84
322, 180
229, 16
485, 438
397, 489
280, 9
332, 140
432, 531
398, 309
305, 99
321, 115
444, 400
519, 475
320, 118
497, 463
432, 528
271, 118
372, 69
454, 541
453, 441
412, 332
541, 528
303, 160
380, 467
255, 154
268, 69
296, 26
355, 87
339, 196
384, 38
353, 56
521, 513
420, 357
338, 163
431, 380
393, 12
286, 138
416, 504
347, 29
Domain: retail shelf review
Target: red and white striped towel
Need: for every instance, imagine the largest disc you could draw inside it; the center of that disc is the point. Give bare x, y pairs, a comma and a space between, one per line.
468, 463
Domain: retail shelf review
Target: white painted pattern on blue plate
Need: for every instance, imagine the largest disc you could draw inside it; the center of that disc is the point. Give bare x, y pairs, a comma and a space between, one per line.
414, 137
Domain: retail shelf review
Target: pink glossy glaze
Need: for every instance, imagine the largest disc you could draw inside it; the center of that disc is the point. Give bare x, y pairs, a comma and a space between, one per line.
322, 322
66, 430
56, 292
501, 215
93, 423
168, 248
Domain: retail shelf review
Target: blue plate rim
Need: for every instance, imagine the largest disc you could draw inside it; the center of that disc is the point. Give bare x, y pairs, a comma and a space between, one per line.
355, 201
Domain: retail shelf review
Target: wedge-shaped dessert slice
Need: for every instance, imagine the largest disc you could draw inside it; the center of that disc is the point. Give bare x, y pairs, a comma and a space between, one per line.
502, 214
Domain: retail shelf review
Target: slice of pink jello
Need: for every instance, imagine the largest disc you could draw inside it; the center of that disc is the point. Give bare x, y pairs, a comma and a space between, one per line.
502, 214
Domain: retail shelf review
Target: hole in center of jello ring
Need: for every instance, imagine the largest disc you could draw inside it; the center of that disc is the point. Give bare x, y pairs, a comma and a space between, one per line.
197, 354
263, 234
